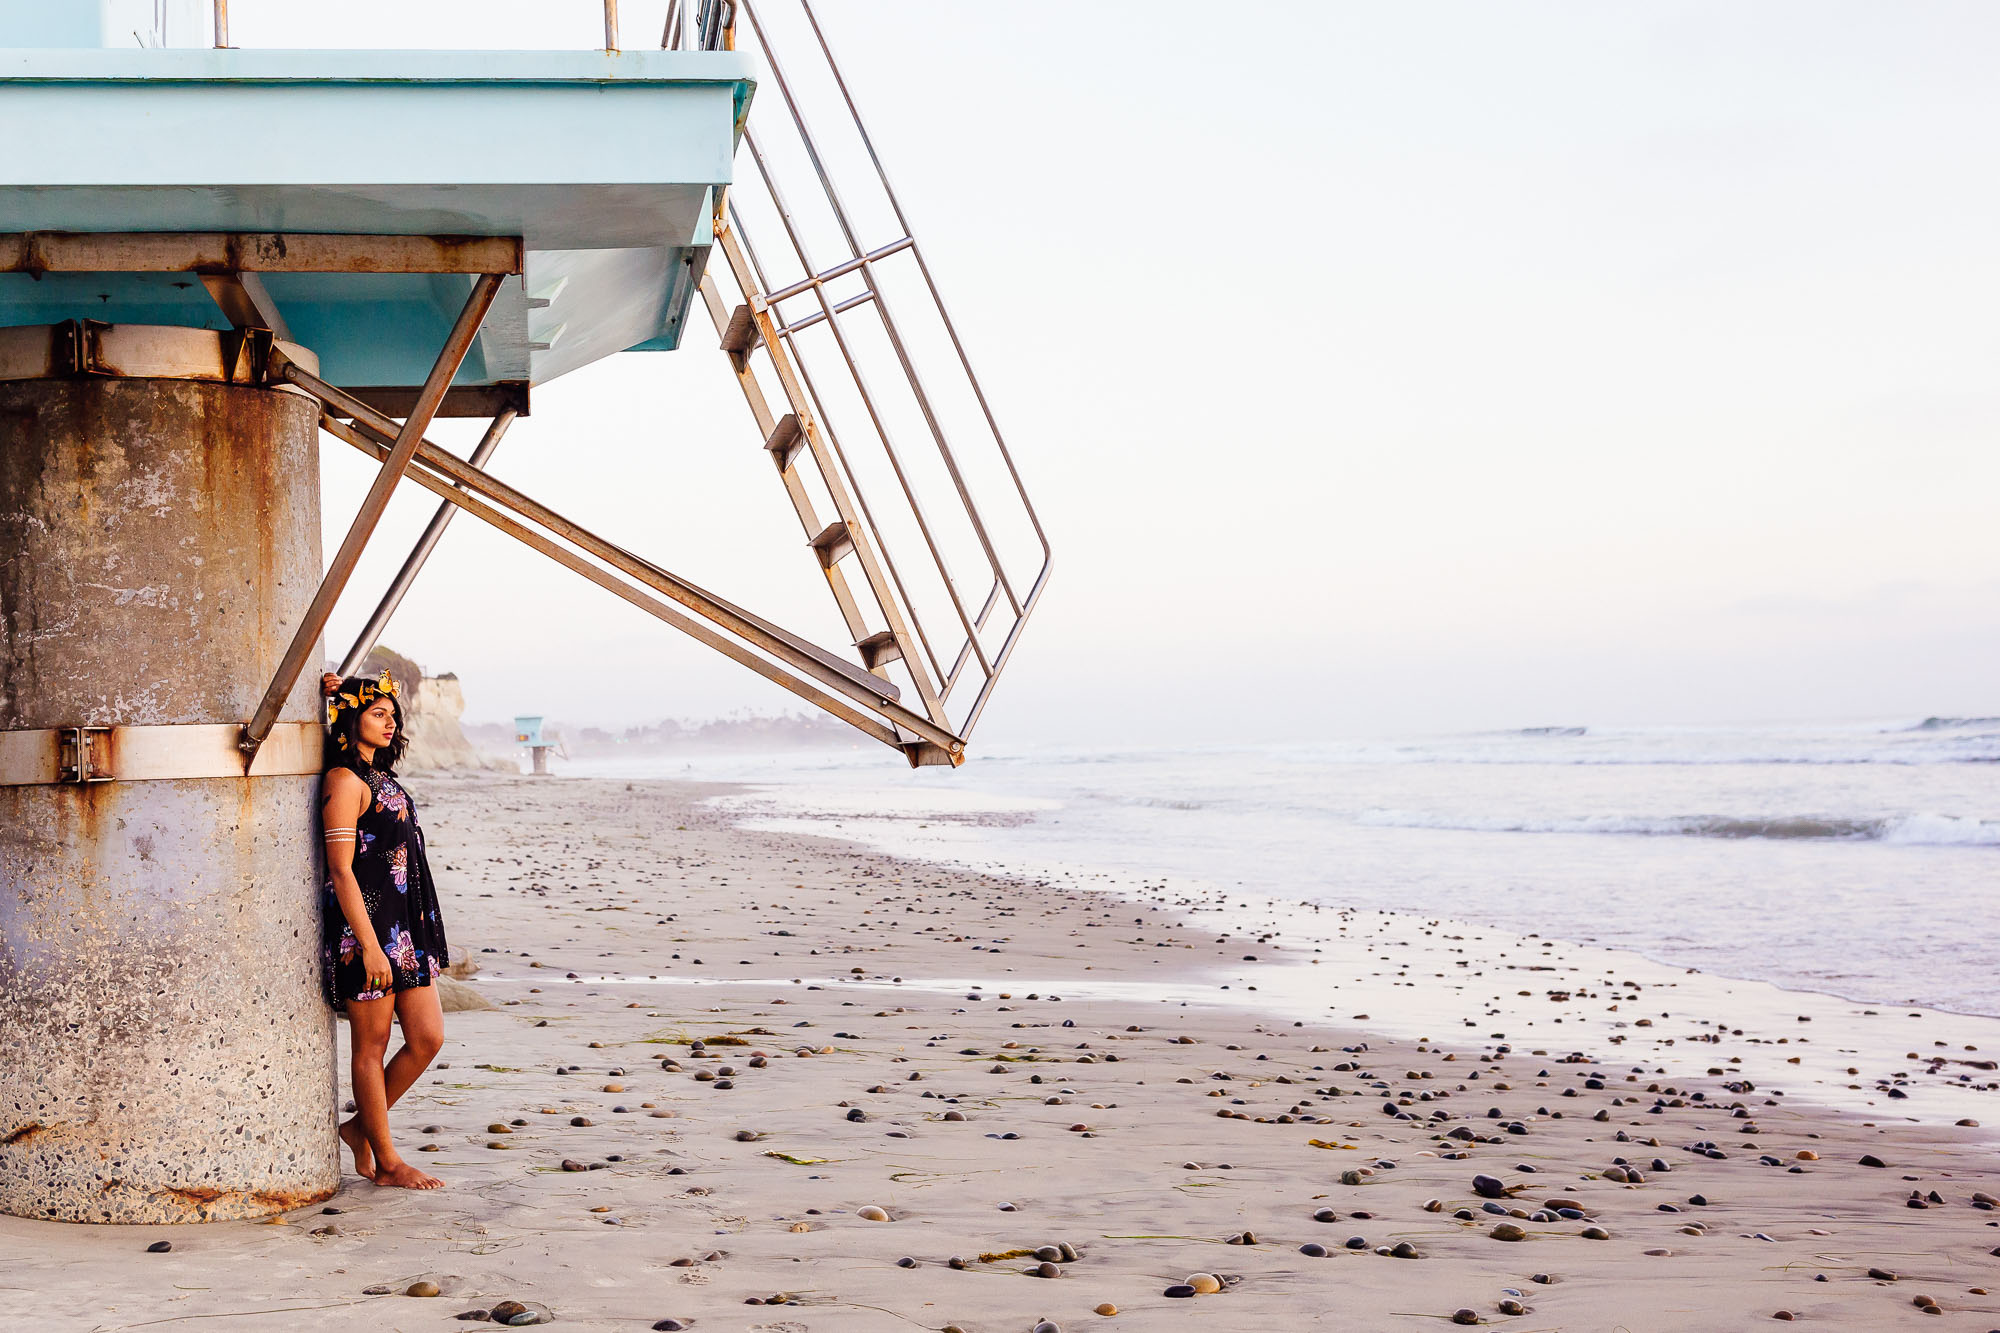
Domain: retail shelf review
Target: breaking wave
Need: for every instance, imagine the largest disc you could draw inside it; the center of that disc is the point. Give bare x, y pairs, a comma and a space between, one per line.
1909, 830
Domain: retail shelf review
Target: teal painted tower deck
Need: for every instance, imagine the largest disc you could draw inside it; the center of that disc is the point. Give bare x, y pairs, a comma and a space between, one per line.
604, 163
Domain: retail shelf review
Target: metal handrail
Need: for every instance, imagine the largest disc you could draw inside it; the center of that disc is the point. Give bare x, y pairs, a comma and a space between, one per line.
711, 25
699, 25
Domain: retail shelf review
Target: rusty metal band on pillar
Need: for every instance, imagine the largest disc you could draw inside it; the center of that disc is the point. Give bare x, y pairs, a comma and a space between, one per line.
408, 437
371, 633
138, 753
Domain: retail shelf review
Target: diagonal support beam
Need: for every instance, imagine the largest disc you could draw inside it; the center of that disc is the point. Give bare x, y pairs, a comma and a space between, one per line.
864, 689
371, 633
457, 497
408, 436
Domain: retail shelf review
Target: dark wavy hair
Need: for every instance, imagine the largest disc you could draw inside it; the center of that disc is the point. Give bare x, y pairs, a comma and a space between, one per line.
348, 727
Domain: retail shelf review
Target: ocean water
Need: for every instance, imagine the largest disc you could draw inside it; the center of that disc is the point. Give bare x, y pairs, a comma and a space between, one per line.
1860, 860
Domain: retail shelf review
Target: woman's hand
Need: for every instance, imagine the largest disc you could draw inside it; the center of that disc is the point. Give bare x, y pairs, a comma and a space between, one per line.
376, 964
328, 683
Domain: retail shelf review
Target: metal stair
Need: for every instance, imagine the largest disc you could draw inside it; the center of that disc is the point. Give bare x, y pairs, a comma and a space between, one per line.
916, 481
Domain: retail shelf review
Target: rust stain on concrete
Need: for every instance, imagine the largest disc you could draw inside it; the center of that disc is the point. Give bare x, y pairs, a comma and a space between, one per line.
158, 538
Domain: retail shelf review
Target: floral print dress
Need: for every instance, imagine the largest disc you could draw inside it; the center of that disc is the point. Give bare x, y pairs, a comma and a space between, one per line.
399, 893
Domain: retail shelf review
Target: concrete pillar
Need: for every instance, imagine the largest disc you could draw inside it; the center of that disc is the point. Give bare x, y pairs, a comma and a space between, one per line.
165, 1055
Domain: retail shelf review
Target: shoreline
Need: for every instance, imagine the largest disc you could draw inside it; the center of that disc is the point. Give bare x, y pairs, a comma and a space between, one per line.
803, 824
1527, 845
1847, 1032
1130, 1119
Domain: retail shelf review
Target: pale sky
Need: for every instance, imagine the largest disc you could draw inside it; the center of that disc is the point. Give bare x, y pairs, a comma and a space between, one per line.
1377, 368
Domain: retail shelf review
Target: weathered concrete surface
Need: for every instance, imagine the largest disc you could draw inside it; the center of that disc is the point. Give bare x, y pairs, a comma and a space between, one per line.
167, 1053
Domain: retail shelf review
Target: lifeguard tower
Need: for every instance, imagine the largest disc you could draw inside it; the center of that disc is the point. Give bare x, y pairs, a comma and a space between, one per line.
528, 736
211, 256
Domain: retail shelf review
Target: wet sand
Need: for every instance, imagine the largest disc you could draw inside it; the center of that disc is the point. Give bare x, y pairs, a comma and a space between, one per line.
911, 1079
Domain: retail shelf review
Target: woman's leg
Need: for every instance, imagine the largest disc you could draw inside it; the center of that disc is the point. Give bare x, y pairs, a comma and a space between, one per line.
422, 1016
368, 1040
368, 1023
423, 1033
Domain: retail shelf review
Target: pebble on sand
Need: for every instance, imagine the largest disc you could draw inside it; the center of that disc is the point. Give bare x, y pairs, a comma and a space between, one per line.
159, 1247
1205, 1284
423, 1288
872, 1214
1106, 1308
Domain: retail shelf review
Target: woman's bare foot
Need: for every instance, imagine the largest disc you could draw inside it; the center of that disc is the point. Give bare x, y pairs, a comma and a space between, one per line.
404, 1176
364, 1156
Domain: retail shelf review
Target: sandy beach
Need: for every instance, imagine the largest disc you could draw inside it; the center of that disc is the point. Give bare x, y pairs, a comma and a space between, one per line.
736, 1080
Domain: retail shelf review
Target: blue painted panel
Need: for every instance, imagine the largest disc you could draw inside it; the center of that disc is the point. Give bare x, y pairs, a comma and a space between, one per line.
604, 163
126, 23
528, 731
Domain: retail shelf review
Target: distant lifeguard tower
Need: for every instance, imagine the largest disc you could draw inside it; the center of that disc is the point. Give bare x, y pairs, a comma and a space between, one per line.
528, 735
211, 256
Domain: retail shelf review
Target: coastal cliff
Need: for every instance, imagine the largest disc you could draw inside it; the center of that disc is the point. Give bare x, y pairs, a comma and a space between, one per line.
433, 707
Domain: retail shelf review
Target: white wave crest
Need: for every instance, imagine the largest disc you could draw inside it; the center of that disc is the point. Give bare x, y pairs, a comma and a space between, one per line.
1942, 831
1910, 830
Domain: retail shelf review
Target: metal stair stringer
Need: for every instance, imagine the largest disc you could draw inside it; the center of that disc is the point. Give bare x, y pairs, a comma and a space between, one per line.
742, 331
842, 346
